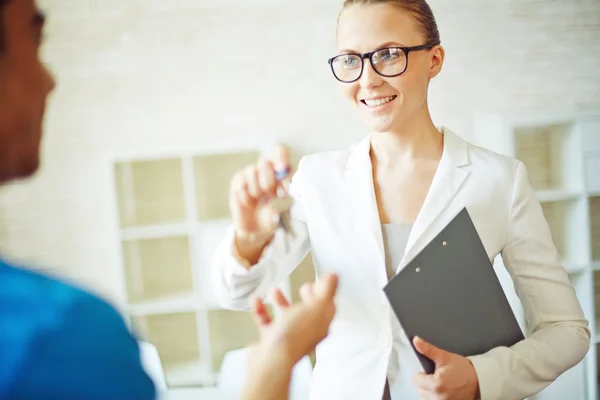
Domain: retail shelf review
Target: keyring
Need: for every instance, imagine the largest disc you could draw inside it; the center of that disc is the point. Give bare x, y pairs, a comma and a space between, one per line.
282, 173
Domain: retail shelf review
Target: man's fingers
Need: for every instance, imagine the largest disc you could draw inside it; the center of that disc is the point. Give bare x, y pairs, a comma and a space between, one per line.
307, 291
326, 287
260, 312
279, 299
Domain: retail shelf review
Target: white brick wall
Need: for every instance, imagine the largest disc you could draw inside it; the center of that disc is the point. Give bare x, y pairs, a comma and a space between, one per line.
154, 75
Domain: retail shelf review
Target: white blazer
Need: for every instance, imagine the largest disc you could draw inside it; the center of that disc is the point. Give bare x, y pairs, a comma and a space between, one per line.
336, 219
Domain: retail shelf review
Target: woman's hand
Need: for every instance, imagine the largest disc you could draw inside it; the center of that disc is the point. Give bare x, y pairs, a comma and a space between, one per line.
454, 378
251, 191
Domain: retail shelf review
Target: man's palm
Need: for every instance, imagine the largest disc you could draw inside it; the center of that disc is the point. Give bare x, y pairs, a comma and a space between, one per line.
301, 326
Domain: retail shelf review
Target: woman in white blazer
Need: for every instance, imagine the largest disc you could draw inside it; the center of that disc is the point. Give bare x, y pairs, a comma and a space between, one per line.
405, 174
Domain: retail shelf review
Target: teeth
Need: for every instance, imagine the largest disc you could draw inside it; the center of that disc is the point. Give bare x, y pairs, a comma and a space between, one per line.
379, 102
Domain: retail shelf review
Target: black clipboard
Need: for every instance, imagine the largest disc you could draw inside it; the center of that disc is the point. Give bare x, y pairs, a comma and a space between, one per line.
450, 296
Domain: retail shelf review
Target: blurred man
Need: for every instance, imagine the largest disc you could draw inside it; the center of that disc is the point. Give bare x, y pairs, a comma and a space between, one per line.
60, 342
56, 341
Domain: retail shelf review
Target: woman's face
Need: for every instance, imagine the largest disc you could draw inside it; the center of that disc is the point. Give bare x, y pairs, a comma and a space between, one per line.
387, 104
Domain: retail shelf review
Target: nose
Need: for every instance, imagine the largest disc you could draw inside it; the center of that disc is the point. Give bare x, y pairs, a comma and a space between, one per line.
369, 78
49, 80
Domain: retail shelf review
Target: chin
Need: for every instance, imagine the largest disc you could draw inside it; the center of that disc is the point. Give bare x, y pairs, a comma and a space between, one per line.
24, 168
28, 163
379, 124
30, 169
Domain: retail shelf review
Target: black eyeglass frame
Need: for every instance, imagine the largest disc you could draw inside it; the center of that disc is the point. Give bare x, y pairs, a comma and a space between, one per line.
405, 50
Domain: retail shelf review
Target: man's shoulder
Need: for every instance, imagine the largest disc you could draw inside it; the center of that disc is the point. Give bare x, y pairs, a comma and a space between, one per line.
35, 308
40, 299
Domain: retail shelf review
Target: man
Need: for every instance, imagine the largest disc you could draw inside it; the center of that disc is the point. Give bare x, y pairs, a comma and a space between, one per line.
56, 341
60, 342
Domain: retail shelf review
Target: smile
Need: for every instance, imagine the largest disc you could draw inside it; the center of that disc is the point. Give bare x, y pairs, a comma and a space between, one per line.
378, 102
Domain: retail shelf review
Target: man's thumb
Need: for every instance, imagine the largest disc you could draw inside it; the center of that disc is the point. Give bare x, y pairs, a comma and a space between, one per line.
326, 287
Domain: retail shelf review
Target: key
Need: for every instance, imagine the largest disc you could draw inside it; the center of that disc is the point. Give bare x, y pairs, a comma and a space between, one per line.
285, 222
282, 205
281, 174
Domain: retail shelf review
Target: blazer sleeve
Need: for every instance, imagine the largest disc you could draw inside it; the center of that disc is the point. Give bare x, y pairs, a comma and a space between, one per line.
233, 284
560, 335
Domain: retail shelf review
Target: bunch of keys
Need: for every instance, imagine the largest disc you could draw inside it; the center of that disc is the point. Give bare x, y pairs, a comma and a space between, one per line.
282, 205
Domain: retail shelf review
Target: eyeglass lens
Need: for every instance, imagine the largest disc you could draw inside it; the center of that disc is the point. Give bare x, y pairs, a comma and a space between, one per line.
387, 62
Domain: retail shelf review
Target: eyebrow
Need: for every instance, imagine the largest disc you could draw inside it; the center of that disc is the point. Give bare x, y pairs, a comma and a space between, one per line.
381, 46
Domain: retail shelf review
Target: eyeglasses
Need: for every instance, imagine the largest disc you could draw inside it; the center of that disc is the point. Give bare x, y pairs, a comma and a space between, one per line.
388, 62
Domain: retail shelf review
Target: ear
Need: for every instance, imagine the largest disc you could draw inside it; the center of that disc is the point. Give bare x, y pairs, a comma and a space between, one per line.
437, 60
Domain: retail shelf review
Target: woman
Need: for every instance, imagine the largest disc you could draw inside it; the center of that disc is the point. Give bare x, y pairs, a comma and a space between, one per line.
365, 212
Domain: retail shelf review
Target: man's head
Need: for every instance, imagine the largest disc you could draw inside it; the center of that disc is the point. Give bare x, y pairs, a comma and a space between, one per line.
24, 86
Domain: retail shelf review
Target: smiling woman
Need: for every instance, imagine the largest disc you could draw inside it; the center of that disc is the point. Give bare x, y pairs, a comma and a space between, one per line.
400, 44
366, 211
418, 9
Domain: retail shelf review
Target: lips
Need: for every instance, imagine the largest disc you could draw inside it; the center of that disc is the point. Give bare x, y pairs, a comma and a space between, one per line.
376, 102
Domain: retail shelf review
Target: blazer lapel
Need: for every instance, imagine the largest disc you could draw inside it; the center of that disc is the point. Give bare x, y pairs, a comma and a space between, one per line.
358, 174
447, 181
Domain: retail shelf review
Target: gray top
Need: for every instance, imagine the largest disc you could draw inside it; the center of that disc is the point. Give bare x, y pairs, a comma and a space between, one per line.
395, 239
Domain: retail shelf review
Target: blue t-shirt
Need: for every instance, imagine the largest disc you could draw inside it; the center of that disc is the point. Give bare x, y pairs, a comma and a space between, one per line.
60, 342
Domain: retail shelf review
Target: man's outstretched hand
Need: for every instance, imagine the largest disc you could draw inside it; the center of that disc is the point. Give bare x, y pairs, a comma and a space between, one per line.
284, 342
301, 326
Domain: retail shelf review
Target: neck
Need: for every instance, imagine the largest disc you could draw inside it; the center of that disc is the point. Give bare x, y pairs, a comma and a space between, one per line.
415, 139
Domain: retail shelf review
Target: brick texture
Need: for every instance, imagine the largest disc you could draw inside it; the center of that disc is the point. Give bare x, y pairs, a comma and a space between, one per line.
150, 76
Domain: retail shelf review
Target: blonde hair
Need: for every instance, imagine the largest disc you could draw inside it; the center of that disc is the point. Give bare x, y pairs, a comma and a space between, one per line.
419, 9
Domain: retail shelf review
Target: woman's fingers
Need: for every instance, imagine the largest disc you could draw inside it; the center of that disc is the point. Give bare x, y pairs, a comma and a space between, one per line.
266, 178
